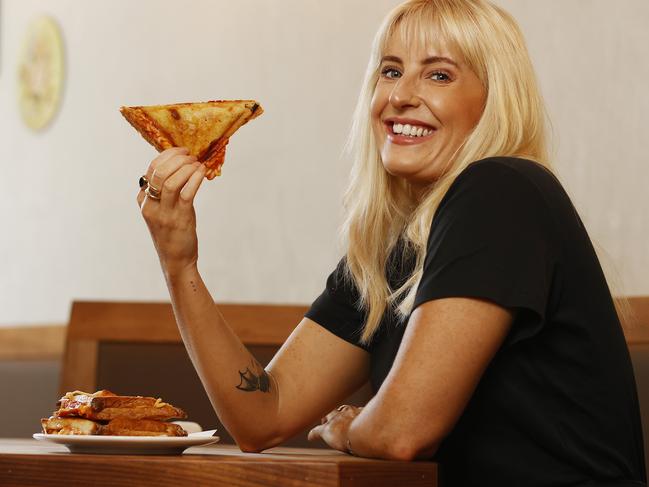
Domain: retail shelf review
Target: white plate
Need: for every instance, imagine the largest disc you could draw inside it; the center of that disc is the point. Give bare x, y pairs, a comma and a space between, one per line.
130, 445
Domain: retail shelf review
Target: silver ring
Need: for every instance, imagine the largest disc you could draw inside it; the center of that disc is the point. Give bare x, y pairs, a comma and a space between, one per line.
152, 192
342, 408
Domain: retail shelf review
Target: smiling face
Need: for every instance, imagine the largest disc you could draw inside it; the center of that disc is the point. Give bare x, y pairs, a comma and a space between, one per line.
425, 104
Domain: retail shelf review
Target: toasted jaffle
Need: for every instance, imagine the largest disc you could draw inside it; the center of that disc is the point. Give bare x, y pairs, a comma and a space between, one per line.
70, 426
104, 405
204, 128
141, 427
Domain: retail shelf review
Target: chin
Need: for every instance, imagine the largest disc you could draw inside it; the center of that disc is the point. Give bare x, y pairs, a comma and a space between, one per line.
399, 169
412, 171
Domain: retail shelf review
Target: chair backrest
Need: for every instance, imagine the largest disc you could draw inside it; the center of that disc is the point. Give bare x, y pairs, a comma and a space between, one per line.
93, 323
635, 322
134, 348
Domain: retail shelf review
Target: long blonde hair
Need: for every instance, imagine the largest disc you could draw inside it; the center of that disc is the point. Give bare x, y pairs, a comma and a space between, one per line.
381, 209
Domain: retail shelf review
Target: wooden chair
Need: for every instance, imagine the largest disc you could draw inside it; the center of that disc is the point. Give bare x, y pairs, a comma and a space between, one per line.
134, 348
635, 322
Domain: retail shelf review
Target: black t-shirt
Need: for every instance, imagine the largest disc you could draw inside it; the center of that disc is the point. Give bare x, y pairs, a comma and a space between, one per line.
557, 405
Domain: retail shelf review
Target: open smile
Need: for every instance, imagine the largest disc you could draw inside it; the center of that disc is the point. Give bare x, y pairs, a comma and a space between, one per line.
408, 132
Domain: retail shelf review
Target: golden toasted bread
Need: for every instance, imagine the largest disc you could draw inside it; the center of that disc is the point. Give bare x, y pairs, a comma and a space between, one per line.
104, 405
141, 427
204, 128
116, 427
69, 426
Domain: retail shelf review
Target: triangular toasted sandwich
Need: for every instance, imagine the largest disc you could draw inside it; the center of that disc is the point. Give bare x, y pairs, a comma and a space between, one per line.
204, 128
104, 405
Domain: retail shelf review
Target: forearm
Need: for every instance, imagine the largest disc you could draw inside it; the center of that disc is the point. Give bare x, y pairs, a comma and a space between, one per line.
375, 433
365, 439
242, 393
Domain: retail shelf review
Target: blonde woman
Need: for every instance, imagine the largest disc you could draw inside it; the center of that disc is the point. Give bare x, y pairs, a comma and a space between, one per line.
469, 292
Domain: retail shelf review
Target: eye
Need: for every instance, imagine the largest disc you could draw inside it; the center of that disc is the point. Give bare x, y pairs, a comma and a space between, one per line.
441, 76
390, 73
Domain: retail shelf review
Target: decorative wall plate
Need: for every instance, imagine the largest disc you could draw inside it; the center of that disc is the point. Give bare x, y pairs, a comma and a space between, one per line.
40, 72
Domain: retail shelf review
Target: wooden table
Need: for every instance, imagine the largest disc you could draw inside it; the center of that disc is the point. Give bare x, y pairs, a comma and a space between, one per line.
38, 464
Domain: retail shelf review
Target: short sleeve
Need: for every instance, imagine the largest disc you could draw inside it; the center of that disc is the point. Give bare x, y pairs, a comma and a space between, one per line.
337, 308
492, 238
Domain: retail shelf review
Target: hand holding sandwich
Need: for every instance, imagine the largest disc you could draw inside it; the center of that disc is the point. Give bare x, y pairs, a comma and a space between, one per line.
168, 207
191, 139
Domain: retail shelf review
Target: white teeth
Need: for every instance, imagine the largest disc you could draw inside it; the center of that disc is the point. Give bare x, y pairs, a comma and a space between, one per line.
410, 130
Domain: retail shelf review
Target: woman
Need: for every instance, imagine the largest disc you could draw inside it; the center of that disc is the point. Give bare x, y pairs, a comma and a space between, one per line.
469, 292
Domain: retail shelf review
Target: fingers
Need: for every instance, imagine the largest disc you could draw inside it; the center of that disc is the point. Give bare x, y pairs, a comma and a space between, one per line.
140, 198
174, 183
163, 157
165, 169
332, 414
334, 427
315, 433
159, 160
190, 189
181, 186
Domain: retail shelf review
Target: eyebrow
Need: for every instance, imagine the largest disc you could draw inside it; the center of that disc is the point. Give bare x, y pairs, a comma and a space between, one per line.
428, 60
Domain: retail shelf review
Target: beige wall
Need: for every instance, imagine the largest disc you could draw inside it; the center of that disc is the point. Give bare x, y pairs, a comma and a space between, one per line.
267, 229
592, 59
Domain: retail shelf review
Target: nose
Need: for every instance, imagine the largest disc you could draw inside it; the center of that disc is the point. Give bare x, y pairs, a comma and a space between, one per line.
405, 93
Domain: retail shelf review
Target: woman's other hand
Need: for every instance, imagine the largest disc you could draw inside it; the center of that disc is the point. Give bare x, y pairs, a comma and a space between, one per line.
171, 218
334, 427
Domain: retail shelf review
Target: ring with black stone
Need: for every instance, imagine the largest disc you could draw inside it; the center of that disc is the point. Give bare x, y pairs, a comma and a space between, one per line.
143, 182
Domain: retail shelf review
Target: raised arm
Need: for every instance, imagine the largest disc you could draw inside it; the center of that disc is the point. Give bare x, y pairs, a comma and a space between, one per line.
313, 371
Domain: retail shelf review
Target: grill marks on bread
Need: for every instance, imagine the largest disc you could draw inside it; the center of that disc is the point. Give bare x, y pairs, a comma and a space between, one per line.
204, 128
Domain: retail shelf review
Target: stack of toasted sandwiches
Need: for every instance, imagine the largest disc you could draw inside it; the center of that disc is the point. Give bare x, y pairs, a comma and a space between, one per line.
105, 413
